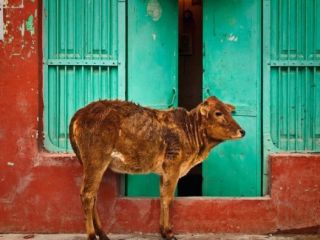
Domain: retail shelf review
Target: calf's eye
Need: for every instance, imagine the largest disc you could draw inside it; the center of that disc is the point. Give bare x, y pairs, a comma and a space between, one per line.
218, 114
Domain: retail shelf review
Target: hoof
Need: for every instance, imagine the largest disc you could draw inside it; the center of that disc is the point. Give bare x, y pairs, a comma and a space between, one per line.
103, 236
167, 234
92, 237
169, 238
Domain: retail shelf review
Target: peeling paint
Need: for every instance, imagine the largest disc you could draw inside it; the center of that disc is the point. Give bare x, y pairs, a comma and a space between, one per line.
22, 29
21, 186
21, 145
154, 10
22, 103
5, 3
11, 164
13, 4
50, 160
29, 25
154, 36
1, 20
232, 38
10, 39
24, 183
5, 28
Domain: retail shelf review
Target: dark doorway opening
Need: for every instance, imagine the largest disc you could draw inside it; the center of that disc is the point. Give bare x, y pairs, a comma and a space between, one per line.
190, 78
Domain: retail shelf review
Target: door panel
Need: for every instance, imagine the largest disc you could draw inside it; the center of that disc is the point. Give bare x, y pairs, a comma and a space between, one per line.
152, 68
232, 72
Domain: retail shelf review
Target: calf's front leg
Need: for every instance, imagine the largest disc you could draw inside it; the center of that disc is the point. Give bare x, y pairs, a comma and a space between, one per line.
168, 185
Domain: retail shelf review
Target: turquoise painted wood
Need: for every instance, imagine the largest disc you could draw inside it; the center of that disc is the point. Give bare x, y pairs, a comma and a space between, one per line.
84, 60
291, 77
232, 72
152, 68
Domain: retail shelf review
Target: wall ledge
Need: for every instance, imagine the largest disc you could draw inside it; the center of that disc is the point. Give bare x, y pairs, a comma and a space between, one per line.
55, 159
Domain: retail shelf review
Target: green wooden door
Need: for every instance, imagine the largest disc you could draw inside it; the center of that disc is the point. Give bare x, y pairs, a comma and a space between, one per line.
152, 68
232, 72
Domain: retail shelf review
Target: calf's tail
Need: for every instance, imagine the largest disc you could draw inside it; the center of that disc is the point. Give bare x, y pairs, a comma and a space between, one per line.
72, 140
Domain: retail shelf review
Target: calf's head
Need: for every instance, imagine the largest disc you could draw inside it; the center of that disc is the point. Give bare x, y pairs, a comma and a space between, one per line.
217, 120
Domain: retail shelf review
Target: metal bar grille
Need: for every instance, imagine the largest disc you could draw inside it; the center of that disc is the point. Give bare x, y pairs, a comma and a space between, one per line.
84, 62
80, 63
294, 68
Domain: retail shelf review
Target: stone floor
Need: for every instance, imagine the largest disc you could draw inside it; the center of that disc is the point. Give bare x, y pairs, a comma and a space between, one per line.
157, 237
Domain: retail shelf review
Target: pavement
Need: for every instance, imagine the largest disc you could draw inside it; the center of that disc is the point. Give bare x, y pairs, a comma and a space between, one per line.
157, 237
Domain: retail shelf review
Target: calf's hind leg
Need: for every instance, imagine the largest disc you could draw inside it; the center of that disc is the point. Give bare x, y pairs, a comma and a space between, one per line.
91, 182
97, 224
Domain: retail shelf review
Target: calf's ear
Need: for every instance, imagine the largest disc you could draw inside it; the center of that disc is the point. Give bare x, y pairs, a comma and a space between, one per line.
230, 107
204, 108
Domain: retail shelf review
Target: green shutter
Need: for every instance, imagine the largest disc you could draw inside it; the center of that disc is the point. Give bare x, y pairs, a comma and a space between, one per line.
84, 60
291, 76
232, 72
152, 68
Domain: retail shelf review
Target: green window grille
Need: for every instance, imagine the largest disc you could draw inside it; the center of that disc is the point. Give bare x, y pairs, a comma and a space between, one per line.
291, 76
84, 60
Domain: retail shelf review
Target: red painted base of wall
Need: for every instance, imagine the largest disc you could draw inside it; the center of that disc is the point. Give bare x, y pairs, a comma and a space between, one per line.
46, 199
39, 192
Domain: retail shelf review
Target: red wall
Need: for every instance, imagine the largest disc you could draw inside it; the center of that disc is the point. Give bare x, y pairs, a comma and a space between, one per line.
40, 191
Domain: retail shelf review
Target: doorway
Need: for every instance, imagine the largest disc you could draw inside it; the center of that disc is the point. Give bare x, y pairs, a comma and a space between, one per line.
190, 78
219, 55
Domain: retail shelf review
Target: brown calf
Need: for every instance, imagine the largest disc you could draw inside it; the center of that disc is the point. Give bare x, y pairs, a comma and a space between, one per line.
129, 138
